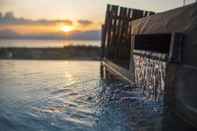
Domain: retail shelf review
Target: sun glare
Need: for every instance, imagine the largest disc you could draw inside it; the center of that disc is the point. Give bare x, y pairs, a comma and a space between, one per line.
66, 28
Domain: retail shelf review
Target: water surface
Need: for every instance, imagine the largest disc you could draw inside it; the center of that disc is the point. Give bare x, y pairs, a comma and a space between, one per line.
70, 96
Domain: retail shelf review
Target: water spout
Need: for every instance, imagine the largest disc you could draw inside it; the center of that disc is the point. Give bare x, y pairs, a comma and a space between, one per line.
150, 73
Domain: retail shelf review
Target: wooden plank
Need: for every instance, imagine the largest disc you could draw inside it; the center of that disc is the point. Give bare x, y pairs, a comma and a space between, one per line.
114, 21
102, 41
108, 32
105, 30
118, 70
121, 33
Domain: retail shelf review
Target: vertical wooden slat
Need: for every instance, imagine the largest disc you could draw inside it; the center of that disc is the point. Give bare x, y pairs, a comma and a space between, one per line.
105, 31
109, 23
120, 11
128, 40
113, 40
103, 42
116, 32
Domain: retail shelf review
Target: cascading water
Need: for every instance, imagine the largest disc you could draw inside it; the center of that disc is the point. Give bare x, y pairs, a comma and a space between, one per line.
149, 71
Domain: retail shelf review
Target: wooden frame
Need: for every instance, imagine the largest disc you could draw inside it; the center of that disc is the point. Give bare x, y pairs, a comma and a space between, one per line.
116, 33
167, 43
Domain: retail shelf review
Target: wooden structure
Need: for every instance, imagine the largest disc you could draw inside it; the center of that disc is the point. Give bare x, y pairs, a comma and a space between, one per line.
116, 33
119, 44
116, 38
129, 32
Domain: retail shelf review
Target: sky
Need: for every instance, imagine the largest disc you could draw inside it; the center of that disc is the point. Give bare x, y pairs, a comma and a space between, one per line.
61, 18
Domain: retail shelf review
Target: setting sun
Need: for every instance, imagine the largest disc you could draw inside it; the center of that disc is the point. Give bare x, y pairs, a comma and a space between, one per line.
66, 28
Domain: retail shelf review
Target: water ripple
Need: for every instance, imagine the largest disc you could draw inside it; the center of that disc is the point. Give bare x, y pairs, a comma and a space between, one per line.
48, 99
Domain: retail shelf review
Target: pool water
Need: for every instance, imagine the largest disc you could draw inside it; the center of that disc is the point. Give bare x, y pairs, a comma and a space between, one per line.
70, 96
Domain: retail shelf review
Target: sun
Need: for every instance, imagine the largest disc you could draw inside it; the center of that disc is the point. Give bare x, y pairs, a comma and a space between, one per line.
66, 28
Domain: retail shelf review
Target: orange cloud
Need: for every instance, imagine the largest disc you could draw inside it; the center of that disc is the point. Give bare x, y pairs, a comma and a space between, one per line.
42, 27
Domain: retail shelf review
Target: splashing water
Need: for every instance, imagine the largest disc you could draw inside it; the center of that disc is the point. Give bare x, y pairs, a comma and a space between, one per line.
150, 73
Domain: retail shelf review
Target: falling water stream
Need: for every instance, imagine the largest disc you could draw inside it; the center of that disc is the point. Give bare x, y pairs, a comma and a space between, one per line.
150, 73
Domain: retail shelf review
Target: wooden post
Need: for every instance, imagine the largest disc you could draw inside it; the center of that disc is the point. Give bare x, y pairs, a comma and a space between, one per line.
132, 65
103, 42
102, 71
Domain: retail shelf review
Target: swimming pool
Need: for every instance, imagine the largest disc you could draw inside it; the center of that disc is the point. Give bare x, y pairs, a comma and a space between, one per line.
70, 96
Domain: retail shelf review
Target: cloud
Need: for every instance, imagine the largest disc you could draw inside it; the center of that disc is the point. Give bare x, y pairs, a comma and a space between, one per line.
85, 22
10, 19
76, 35
6, 33
86, 35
